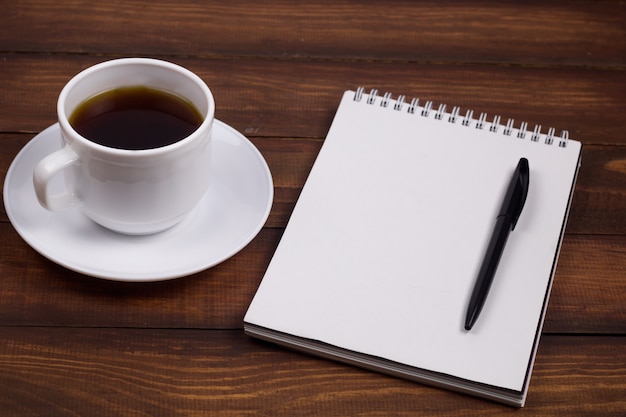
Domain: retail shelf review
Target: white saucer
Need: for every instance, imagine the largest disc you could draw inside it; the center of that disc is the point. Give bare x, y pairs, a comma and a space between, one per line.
229, 216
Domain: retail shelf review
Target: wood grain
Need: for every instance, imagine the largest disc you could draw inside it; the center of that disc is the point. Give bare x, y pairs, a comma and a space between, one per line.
225, 373
256, 95
599, 204
529, 32
587, 294
73, 345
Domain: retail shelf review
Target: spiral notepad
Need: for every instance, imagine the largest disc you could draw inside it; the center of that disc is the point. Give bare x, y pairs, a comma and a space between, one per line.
379, 257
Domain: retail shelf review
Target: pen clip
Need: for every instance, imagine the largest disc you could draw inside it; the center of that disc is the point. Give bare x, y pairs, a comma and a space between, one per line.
519, 188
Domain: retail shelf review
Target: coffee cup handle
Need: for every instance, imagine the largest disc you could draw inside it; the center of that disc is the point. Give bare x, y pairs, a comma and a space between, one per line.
46, 170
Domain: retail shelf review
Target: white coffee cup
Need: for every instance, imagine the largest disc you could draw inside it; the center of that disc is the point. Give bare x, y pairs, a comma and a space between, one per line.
129, 191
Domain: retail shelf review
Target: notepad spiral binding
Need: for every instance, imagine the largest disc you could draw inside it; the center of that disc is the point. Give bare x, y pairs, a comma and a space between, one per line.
413, 107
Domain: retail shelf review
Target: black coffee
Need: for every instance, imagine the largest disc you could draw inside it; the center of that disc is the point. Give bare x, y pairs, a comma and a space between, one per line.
135, 118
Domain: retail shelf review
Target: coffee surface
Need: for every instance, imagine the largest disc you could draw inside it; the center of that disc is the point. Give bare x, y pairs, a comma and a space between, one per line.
135, 118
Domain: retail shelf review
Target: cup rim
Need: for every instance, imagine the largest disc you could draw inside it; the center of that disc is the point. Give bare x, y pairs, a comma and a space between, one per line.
66, 126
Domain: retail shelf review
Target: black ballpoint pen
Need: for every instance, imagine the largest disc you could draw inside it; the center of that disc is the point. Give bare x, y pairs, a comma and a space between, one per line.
505, 222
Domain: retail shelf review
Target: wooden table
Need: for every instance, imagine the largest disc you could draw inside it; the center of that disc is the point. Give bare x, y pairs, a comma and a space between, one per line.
71, 345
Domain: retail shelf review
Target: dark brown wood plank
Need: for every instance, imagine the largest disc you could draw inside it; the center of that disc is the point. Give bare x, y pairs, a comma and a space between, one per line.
599, 204
589, 286
95, 372
587, 296
37, 292
527, 32
273, 98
